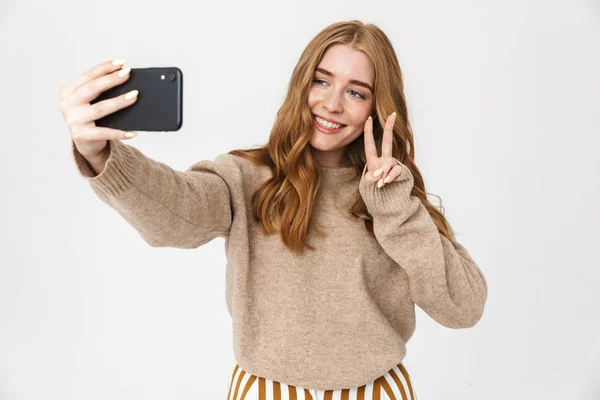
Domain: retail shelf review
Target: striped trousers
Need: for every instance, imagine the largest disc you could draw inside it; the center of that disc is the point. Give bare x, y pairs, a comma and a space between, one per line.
393, 385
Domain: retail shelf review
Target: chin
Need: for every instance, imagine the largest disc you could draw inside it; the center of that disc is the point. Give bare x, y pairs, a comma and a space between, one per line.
323, 146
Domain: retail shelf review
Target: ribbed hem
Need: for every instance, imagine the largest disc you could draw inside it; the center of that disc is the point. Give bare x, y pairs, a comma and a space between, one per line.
118, 174
392, 198
84, 168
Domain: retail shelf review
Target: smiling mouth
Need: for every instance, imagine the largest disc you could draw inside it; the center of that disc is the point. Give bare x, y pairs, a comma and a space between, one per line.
326, 125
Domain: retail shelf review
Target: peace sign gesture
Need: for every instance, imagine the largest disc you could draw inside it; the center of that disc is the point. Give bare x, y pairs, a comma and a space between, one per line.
384, 168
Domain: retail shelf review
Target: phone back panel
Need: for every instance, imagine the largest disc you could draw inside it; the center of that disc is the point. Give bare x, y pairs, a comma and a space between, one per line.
159, 106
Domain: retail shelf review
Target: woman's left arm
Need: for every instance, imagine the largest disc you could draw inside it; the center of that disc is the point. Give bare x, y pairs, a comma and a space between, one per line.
444, 280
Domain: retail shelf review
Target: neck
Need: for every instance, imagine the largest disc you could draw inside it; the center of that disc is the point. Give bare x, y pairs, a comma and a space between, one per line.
331, 159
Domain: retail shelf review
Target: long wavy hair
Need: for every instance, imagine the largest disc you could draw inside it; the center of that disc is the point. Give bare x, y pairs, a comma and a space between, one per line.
285, 202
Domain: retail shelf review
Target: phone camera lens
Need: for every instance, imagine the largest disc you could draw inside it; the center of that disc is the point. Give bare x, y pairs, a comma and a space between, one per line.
171, 76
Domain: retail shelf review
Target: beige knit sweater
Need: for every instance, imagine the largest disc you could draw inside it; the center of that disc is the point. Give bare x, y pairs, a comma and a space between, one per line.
335, 318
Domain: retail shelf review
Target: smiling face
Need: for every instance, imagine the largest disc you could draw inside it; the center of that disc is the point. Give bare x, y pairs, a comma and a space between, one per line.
341, 93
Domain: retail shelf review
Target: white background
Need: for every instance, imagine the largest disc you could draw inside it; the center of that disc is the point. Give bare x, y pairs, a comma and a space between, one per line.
503, 99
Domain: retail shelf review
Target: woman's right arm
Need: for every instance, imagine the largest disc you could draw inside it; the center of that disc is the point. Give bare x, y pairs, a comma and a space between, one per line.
168, 208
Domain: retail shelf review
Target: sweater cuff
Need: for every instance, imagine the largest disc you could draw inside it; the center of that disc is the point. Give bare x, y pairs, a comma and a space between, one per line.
392, 198
119, 171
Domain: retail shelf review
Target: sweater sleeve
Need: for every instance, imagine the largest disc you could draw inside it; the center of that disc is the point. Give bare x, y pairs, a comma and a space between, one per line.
444, 280
168, 208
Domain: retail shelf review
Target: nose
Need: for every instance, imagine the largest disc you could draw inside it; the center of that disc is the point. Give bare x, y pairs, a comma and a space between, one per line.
332, 102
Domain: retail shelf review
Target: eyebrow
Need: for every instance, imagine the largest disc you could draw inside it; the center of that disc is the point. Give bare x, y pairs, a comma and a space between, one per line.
353, 81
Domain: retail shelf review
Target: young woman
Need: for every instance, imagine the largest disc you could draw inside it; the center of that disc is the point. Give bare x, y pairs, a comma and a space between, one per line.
330, 238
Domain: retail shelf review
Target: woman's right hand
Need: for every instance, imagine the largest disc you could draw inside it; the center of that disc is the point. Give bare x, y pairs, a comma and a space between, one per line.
75, 98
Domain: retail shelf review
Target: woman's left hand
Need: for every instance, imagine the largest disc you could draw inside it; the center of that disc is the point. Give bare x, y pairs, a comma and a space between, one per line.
384, 169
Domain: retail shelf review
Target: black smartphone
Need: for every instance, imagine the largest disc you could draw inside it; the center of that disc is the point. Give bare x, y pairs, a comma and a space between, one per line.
159, 106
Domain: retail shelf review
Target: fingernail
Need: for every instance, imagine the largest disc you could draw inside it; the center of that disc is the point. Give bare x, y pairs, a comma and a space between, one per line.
380, 183
387, 179
131, 95
130, 134
394, 113
378, 172
123, 72
369, 117
119, 61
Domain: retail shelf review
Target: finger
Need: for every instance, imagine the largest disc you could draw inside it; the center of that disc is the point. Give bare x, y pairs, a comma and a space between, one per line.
370, 148
91, 90
368, 175
95, 133
388, 136
88, 76
88, 113
387, 164
391, 176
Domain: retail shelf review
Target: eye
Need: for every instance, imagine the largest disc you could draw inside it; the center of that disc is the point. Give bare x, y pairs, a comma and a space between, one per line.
359, 95
353, 93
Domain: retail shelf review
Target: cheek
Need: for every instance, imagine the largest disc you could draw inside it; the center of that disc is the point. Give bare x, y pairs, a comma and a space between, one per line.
359, 115
313, 98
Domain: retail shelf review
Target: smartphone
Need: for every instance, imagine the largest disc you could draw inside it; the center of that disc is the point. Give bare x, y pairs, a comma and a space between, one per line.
159, 106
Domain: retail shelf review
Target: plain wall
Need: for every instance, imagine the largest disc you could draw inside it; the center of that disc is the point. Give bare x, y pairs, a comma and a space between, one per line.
503, 98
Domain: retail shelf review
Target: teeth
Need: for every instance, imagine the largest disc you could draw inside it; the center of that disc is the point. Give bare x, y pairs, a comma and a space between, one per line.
326, 124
